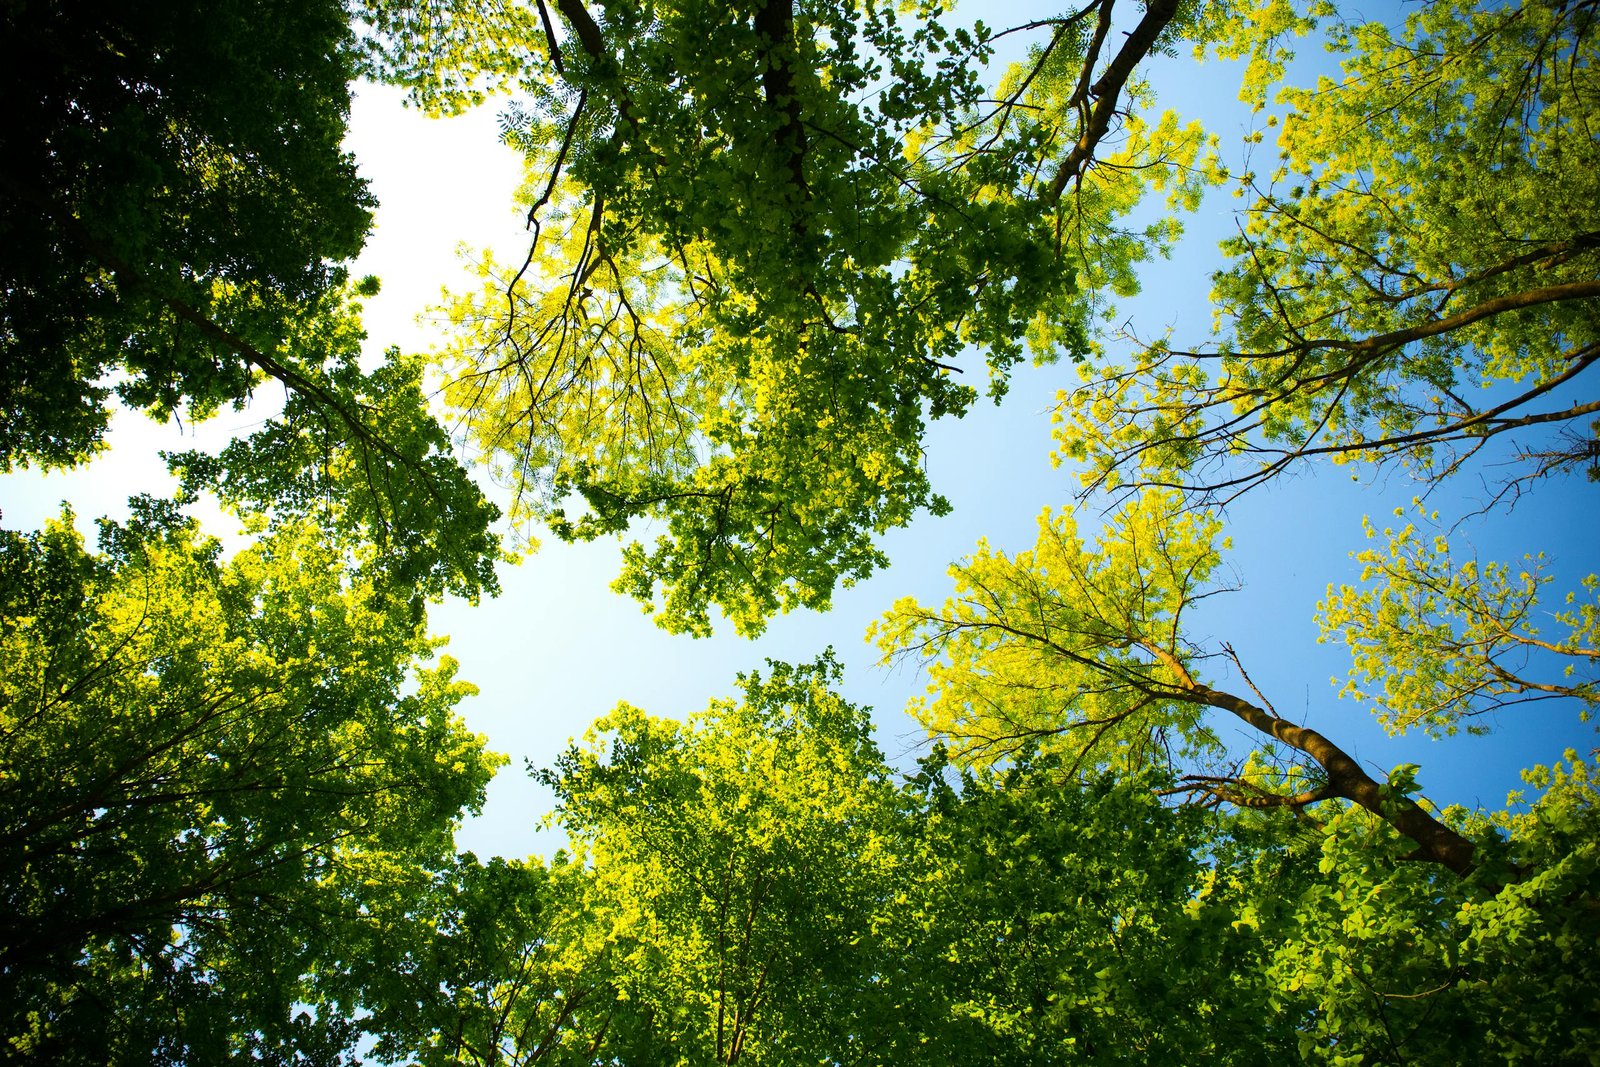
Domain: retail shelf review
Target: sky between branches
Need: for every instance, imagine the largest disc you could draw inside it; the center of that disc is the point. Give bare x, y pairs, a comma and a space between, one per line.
558, 649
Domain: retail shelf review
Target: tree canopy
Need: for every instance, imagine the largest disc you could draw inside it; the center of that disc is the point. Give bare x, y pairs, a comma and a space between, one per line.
175, 190
750, 886
193, 749
178, 214
763, 244
1083, 648
1414, 274
766, 244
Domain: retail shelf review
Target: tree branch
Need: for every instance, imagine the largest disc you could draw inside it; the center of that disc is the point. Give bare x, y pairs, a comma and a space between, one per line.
1107, 89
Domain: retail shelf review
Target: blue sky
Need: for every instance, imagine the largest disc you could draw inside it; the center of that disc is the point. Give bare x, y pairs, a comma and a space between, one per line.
557, 648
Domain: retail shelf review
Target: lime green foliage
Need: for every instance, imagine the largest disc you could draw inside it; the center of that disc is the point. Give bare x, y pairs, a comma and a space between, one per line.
450, 56
739, 860
1436, 642
479, 963
1329, 941
1264, 33
193, 751
749, 887
721, 904
765, 241
1074, 646
1414, 273
1081, 650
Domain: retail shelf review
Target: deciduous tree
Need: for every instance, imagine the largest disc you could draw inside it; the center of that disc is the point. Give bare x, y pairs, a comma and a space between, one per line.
1436, 643
1361, 951
764, 239
740, 859
1373, 958
484, 963
1414, 274
1082, 648
192, 749
1065, 919
177, 213
174, 191
748, 886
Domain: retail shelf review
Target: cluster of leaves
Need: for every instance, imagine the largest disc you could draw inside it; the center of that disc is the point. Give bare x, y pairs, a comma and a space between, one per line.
1414, 278
750, 886
178, 207
1451, 641
763, 240
1081, 649
388, 477
174, 186
193, 750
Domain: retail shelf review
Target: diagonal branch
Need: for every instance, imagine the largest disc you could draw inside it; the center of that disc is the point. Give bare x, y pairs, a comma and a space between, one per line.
1108, 88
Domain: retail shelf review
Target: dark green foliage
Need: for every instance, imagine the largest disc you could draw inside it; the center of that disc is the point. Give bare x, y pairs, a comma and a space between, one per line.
177, 207
1063, 922
172, 173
